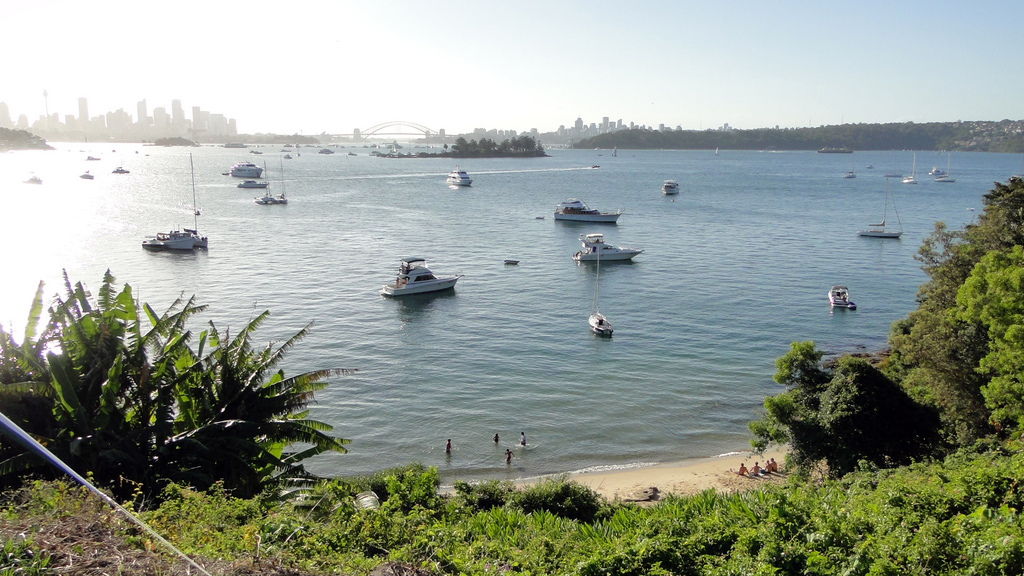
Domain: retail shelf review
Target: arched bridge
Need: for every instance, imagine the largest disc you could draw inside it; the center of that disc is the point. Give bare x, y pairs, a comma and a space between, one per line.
394, 128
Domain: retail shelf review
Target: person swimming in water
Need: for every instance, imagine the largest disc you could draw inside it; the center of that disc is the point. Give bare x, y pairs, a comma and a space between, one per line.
522, 438
495, 437
448, 446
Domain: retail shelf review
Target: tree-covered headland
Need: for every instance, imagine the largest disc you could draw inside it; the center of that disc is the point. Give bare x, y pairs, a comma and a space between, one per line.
1002, 136
907, 464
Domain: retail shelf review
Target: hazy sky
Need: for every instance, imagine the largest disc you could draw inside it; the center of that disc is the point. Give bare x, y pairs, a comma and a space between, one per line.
310, 66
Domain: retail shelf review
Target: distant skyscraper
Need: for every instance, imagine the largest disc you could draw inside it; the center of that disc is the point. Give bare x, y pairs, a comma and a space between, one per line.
5, 116
83, 110
143, 117
579, 124
177, 112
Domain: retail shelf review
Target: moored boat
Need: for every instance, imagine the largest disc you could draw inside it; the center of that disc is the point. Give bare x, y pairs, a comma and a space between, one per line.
246, 170
173, 240
414, 277
670, 187
253, 184
576, 210
839, 297
594, 248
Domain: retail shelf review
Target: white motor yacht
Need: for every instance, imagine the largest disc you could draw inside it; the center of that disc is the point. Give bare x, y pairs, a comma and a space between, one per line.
246, 170
173, 240
253, 184
670, 187
459, 177
839, 296
576, 210
594, 248
414, 277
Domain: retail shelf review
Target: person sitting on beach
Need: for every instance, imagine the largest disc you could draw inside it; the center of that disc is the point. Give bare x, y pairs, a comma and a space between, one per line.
756, 470
772, 466
743, 469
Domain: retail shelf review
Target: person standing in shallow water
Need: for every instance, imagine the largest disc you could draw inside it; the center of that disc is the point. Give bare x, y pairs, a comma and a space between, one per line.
522, 438
495, 437
448, 446
508, 456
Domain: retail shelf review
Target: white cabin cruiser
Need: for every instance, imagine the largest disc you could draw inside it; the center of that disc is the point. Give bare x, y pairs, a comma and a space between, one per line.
246, 170
670, 187
253, 184
839, 296
594, 248
173, 240
576, 210
415, 278
459, 177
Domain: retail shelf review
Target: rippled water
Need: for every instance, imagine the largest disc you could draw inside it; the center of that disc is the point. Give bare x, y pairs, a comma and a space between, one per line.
735, 268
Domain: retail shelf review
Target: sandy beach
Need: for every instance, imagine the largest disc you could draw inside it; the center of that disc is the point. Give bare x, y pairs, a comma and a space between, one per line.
688, 477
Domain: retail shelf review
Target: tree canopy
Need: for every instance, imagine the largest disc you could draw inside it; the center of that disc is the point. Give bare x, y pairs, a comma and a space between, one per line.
116, 391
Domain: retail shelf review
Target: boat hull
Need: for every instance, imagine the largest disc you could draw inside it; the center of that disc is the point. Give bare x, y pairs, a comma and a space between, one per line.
436, 285
879, 234
176, 244
604, 255
610, 218
460, 182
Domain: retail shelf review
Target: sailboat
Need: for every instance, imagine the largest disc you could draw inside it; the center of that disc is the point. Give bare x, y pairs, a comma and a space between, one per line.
199, 241
598, 323
878, 230
945, 177
913, 172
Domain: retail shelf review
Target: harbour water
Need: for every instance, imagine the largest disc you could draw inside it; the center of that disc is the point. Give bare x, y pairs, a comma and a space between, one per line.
734, 268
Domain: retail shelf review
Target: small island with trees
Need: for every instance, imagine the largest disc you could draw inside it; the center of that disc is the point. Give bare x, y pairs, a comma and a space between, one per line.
518, 147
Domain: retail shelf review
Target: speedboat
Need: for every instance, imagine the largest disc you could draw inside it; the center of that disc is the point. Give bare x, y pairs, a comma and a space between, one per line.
287, 156
576, 211
91, 158
253, 184
936, 171
86, 176
173, 240
246, 170
325, 151
267, 199
459, 177
670, 187
839, 296
600, 325
594, 248
34, 180
120, 170
415, 278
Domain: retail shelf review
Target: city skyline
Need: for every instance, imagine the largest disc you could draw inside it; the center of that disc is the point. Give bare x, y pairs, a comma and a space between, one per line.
334, 66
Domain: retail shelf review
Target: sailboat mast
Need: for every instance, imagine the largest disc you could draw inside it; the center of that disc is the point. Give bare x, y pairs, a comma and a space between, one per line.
195, 209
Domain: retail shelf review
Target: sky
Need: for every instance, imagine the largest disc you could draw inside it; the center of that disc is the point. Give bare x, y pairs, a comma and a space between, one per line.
313, 66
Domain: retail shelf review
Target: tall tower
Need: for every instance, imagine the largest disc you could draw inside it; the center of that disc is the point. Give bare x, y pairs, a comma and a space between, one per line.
143, 117
177, 112
83, 110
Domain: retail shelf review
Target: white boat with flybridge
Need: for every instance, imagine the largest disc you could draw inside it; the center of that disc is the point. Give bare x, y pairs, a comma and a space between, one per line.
459, 177
839, 297
670, 187
575, 210
414, 277
246, 170
253, 184
879, 230
173, 240
595, 248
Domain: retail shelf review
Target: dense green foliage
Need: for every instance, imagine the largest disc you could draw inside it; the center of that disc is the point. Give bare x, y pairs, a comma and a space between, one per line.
967, 136
114, 390
518, 147
959, 516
